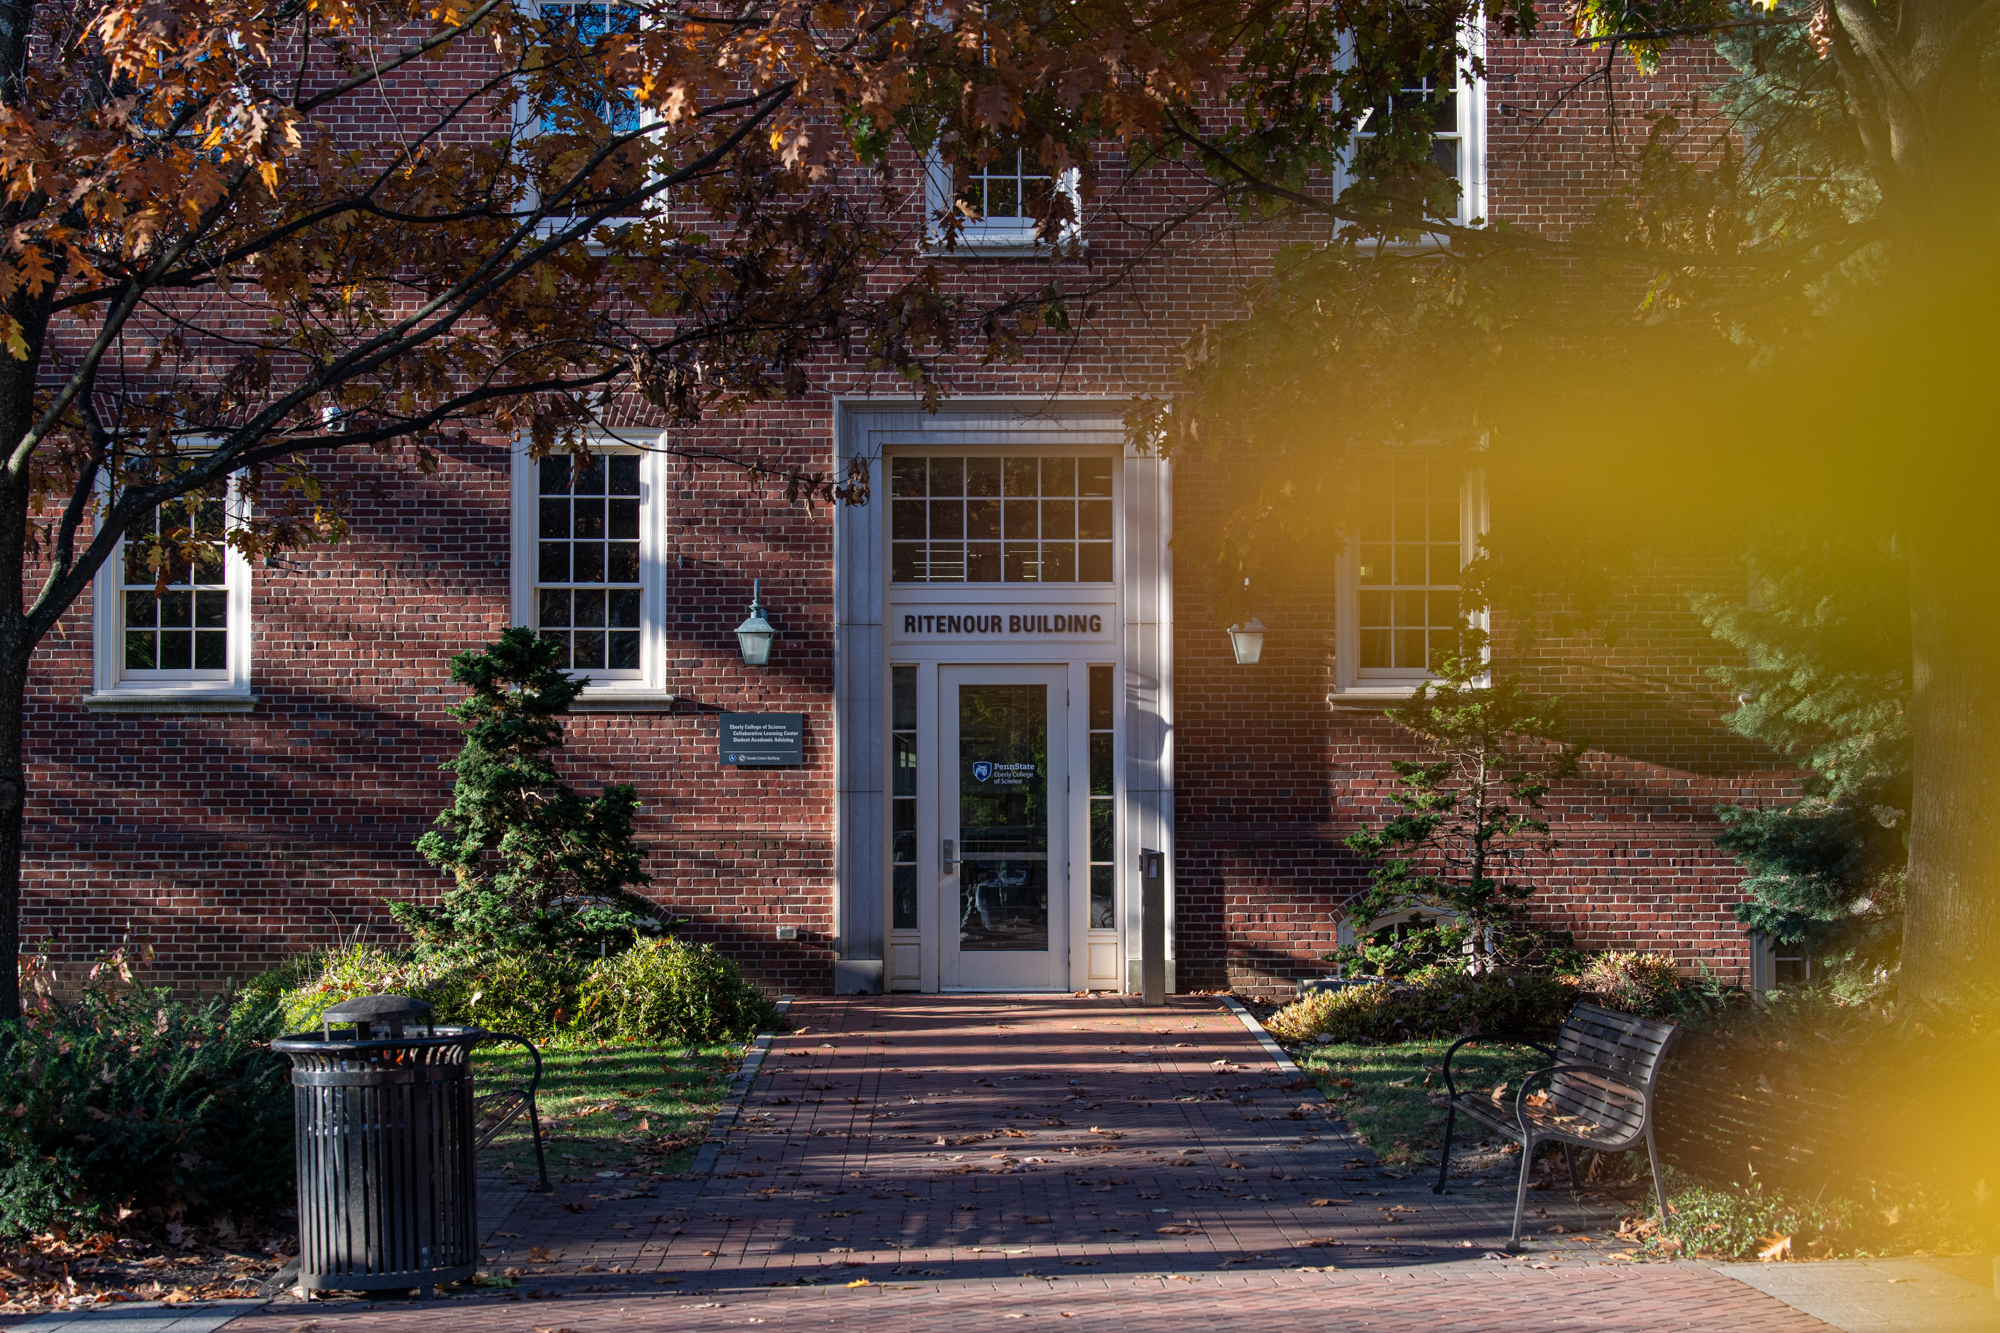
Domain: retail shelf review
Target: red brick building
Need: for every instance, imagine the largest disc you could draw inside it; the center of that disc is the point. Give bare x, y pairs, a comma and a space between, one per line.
1008, 685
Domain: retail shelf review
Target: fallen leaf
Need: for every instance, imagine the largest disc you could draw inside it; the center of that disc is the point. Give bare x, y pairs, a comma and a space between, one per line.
1178, 1231
861, 1282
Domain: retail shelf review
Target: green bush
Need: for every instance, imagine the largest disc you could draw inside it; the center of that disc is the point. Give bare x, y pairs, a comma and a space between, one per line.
659, 990
1638, 983
534, 995
667, 989
140, 1101
1434, 1002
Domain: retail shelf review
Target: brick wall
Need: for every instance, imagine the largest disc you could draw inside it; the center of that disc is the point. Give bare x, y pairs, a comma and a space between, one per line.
231, 841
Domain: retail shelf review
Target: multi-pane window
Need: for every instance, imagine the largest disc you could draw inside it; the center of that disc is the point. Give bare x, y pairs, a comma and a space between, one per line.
1447, 104
587, 585
995, 520
575, 27
1103, 804
903, 798
1013, 185
579, 103
1410, 551
175, 590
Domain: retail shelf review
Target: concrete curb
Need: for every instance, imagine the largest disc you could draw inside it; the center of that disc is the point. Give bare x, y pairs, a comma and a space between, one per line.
142, 1317
732, 1105
1271, 1048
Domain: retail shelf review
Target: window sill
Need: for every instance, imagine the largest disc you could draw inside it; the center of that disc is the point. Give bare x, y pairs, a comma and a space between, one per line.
1015, 246
1374, 695
143, 699
623, 698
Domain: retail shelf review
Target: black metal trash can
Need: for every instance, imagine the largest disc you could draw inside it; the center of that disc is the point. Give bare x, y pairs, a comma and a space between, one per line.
387, 1194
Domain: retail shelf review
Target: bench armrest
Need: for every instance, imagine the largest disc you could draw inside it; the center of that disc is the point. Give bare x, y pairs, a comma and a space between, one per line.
1451, 1089
526, 1092
535, 1078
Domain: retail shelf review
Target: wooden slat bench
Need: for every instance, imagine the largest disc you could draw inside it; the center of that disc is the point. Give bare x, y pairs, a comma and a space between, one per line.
1597, 1092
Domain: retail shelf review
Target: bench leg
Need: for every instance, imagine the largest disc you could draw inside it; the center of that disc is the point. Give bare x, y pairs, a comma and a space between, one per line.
1569, 1160
541, 1162
1521, 1191
1444, 1158
1659, 1184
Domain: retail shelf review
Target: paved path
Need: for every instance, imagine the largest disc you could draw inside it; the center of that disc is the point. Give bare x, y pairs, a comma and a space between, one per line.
907, 1159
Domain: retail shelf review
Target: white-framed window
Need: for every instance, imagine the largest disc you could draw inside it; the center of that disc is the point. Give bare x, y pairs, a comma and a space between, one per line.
998, 201
1458, 125
171, 619
583, 24
1398, 609
590, 566
1778, 966
985, 518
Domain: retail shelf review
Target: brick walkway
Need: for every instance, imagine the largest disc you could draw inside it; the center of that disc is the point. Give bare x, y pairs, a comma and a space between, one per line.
1003, 1157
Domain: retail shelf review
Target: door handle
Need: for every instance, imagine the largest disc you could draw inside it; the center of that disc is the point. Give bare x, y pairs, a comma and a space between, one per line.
947, 863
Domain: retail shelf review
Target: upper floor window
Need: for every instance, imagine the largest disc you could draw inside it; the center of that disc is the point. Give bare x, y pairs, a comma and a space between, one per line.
1001, 520
172, 622
578, 104
1457, 114
589, 540
1399, 585
998, 200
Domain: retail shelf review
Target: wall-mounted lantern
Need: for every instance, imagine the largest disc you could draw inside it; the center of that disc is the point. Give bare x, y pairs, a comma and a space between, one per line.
755, 634
1248, 641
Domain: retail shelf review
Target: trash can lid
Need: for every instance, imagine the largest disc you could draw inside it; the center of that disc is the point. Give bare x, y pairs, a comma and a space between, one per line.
375, 1008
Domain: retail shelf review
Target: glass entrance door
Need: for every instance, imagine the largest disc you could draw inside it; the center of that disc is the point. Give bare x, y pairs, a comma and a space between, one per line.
1004, 852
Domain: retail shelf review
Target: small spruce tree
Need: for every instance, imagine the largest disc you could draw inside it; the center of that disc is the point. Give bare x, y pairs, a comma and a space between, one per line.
1825, 681
535, 864
1469, 818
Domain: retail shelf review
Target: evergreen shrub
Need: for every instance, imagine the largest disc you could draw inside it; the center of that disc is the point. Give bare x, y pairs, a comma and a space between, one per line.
658, 991
141, 1102
1432, 1003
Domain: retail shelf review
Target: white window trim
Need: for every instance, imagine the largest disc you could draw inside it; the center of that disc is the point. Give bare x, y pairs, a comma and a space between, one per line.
648, 690
1764, 963
114, 690
526, 127
1352, 686
995, 237
1473, 201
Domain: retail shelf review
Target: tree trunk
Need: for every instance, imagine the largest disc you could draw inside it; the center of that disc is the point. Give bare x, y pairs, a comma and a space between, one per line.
13, 800
1951, 945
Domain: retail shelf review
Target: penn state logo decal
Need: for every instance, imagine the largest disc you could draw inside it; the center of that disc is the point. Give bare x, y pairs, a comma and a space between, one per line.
982, 770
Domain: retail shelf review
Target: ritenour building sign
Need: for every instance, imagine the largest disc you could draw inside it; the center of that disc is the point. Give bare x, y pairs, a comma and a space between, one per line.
1044, 622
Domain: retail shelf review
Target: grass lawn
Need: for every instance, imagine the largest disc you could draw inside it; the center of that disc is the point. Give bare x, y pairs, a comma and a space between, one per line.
1385, 1092
607, 1107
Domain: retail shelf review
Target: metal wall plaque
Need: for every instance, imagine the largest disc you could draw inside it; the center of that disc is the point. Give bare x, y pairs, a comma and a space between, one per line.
763, 740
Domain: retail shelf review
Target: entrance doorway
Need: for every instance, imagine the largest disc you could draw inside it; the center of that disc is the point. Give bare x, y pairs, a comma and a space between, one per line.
1003, 820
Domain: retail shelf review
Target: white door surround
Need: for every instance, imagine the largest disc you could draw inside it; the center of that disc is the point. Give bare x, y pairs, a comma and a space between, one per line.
930, 638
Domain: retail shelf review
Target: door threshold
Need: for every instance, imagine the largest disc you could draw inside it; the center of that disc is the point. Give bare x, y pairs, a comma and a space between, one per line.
1003, 990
